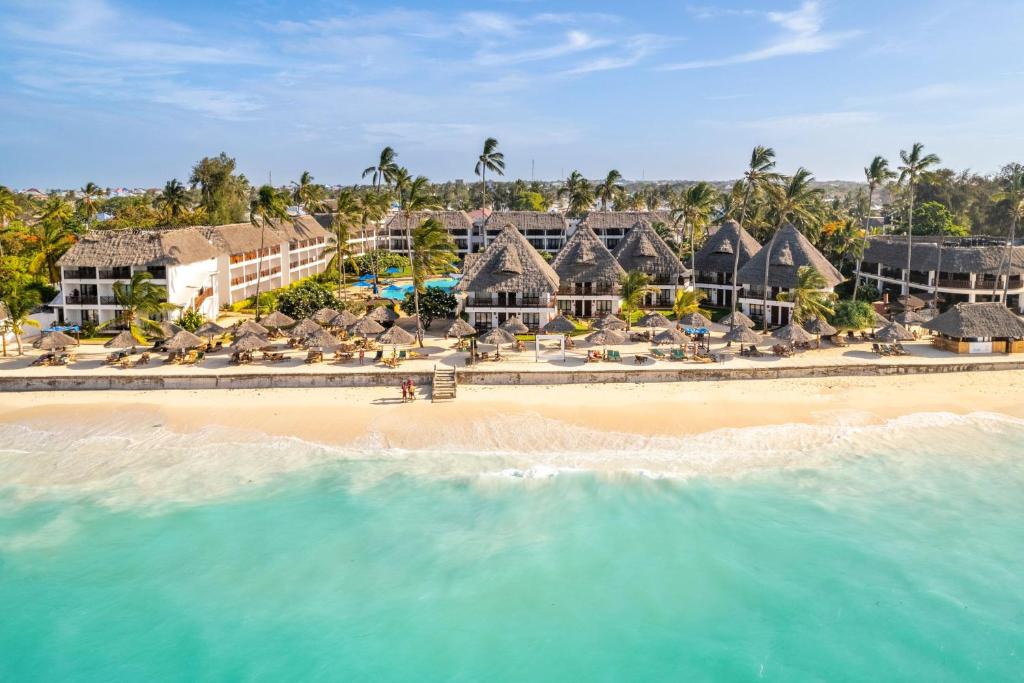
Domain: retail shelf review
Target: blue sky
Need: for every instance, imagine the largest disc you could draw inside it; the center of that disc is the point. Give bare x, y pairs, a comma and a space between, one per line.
132, 93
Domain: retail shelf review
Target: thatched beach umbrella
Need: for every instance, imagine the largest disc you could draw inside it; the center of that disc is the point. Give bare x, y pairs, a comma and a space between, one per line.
123, 340
820, 327
744, 335
672, 335
894, 332
383, 314
878, 320
304, 328
210, 330
914, 317
696, 320
606, 337
610, 322
169, 329
365, 327
655, 320
249, 327
460, 328
497, 336
182, 341
559, 325
249, 342
324, 316
396, 336
321, 339
344, 319
910, 302
411, 323
277, 320
793, 334
737, 318
52, 341
514, 325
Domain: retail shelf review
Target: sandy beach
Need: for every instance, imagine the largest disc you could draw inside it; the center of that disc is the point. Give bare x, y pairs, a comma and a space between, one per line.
343, 416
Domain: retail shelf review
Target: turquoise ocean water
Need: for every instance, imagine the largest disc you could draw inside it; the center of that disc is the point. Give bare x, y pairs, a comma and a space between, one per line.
844, 553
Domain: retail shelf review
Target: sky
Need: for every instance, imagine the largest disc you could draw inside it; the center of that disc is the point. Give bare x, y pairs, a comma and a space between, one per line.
133, 93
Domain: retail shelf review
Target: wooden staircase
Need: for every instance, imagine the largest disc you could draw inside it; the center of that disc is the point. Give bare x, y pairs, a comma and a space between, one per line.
444, 384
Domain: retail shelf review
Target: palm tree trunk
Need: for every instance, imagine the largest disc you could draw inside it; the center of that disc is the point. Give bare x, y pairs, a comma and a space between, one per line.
910, 236
17, 340
864, 242
1009, 258
415, 284
736, 258
767, 266
259, 267
938, 272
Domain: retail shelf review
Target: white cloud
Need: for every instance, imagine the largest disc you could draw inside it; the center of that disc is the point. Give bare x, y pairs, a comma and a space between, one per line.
573, 42
798, 122
802, 34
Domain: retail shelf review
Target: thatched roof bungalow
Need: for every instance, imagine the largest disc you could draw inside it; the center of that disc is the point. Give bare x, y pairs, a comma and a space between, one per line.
643, 250
713, 263
988, 327
588, 275
611, 226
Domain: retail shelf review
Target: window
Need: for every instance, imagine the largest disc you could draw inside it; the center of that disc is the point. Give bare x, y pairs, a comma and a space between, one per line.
482, 321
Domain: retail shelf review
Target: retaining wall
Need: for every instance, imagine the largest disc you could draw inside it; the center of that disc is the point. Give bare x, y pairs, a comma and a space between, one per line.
479, 377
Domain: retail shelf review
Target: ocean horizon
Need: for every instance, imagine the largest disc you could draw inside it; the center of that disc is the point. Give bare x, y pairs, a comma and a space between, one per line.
849, 550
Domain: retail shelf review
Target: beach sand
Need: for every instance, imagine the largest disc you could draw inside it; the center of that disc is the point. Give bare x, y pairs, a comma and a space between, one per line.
346, 415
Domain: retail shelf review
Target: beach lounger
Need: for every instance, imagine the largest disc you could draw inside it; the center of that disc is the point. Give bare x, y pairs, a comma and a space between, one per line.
378, 356
678, 354
899, 350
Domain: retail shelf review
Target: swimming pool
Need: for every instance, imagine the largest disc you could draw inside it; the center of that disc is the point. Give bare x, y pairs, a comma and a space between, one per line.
398, 292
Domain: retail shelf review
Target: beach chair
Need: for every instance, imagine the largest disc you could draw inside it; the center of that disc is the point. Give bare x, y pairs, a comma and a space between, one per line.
614, 356
402, 355
378, 356
678, 354
875, 348
899, 350
200, 357
659, 354
143, 359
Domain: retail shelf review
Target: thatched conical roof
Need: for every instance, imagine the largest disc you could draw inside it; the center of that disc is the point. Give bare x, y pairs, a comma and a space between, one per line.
790, 252
250, 327
169, 329
183, 340
744, 335
324, 316
410, 323
610, 322
793, 333
460, 328
383, 314
277, 320
210, 329
655, 320
643, 249
249, 342
514, 325
820, 327
559, 325
894, 332
508, 264
321, 339
397, 336
737, 318
343, 319
606, 337
910, 317
497, 336
304, 328
123, 340
671, 336
366, 326
51, 341
718, 253
696, 320
584, 258
977, 321
911, 302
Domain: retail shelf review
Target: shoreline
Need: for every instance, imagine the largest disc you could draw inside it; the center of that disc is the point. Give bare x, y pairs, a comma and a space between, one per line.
346, 416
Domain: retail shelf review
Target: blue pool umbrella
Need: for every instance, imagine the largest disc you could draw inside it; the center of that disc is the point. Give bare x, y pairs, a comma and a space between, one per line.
696, 330
393, 270
367, 276
363, 283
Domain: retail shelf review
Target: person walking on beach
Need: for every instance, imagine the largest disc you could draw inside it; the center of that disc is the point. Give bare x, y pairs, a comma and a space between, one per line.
412, 389
362, 355
405, 392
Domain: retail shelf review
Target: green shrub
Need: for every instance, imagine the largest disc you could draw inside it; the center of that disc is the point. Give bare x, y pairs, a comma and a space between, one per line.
853, 315
305, 299
435, 304
191, 319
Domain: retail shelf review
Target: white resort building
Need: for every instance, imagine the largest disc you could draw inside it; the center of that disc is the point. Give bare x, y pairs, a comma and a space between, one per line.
508, 278
790, 252
611, 226
714, 262
458, 224
965, 269
588, 277
202, 268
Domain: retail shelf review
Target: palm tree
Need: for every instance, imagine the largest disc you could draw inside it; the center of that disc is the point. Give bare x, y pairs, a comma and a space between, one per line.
347, 216
307, 194
138, 299
758, 175
266, 207
372, 208
385, 170
414, 195
877, 174
915, 163
609, 189
808, 297
792, 199
731, 203
56, 210
52, 239
8, 211
688, 302
14, 316
579, 192
489, 160
88, 204
433, 252
1013, 193
175, 200
634, 286
694, 210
